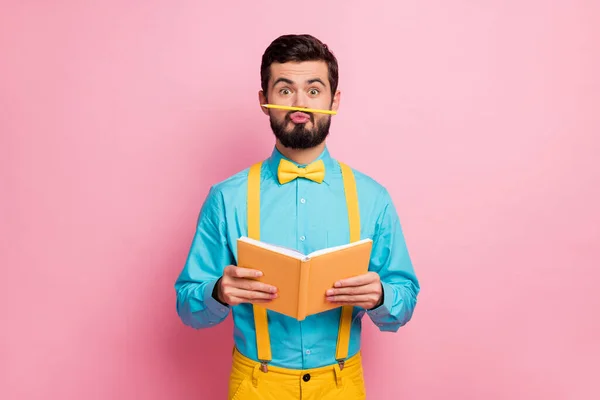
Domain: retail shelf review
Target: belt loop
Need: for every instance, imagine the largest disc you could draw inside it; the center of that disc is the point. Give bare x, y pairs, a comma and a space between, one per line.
255, 373
264, 367
338, 375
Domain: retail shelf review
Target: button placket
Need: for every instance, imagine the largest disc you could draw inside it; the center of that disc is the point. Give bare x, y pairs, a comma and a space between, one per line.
301, 212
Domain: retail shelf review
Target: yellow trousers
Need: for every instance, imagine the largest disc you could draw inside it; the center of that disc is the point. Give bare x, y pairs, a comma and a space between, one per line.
248, 382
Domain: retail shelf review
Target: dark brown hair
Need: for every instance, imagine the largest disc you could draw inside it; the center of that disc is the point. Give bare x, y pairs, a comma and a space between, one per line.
298, 48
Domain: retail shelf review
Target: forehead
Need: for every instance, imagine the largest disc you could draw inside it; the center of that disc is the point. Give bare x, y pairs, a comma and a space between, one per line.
300, 72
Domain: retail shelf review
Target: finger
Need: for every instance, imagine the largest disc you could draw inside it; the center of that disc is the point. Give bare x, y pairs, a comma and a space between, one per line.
242, 272
252, 285
249, 295
350, 290
366, 305
238, 300
358, 280
363, 298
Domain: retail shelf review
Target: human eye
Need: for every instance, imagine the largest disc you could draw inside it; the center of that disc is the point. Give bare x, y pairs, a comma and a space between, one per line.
285, 91
314, 92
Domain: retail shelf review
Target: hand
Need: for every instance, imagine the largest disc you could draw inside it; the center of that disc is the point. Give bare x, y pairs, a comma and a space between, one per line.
239, 285
362, 291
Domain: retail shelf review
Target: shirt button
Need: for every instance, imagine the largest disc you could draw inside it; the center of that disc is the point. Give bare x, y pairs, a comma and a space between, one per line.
307, 351
302, 201
306, 377
302, 238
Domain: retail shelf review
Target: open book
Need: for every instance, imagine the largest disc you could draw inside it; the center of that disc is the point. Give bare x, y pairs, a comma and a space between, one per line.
302, 280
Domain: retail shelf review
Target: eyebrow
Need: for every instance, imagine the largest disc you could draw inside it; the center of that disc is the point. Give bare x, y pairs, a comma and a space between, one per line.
316, 80
285, 80
290, 82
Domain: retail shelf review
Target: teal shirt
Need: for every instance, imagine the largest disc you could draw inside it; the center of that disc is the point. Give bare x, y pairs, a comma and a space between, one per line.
306, 216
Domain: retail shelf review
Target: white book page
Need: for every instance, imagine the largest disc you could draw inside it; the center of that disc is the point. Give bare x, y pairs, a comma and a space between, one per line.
278, 249
336, 248
296, 254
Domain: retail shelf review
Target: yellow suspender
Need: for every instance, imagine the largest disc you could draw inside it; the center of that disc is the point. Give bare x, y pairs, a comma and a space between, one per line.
343, 340
263, 342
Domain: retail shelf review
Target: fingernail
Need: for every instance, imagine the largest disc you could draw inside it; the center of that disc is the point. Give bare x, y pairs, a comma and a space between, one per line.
329, 292
337, 284
258, 273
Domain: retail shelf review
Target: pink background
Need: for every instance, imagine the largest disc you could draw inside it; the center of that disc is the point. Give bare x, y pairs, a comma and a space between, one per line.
482, 119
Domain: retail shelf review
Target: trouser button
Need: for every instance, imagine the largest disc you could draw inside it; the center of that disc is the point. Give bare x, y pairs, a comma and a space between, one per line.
306, 377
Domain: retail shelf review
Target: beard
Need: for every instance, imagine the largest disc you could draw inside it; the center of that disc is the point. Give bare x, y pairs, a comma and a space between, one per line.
300, 137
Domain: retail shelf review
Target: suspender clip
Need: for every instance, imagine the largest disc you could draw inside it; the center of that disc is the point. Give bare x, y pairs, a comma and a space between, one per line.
341, 364
263, 366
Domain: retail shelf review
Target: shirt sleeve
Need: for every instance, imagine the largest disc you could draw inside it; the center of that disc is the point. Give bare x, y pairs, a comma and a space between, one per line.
208, 256
391, 260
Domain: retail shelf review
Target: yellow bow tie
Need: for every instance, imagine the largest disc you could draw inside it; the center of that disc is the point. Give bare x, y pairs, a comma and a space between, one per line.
288, 171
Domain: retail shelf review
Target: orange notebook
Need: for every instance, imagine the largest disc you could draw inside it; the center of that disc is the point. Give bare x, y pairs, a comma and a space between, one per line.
302, 280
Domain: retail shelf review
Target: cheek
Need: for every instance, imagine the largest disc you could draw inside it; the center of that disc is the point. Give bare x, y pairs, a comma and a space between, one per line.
277, 116
324, 102
320, 119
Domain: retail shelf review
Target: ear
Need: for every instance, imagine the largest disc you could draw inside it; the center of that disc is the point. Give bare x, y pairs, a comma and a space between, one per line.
262, 99
336, 101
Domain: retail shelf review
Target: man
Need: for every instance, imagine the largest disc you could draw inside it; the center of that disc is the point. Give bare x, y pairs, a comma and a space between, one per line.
304, 202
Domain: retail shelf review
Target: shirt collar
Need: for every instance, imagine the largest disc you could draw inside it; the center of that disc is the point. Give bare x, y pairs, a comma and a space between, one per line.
330, 164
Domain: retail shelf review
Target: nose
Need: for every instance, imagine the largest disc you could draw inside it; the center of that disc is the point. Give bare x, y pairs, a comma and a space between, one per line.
300, 99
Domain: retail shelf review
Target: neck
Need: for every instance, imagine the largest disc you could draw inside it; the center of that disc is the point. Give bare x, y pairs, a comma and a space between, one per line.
301, 156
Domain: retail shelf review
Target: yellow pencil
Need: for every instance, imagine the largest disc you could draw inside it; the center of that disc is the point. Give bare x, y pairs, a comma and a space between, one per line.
311, 110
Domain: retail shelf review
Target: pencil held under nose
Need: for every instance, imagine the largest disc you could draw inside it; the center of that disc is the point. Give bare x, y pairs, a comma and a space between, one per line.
304, 109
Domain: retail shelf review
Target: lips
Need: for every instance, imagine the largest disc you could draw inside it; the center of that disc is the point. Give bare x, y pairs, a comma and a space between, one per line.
300, 118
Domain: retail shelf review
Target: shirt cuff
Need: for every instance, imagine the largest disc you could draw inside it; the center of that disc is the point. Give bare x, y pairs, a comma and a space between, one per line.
380, 313
215, 307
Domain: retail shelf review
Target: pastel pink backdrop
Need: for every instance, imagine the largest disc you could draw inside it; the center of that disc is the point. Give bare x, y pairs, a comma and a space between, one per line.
480, 117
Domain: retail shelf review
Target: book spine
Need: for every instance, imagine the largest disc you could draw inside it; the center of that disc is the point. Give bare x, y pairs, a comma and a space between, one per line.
303, 289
